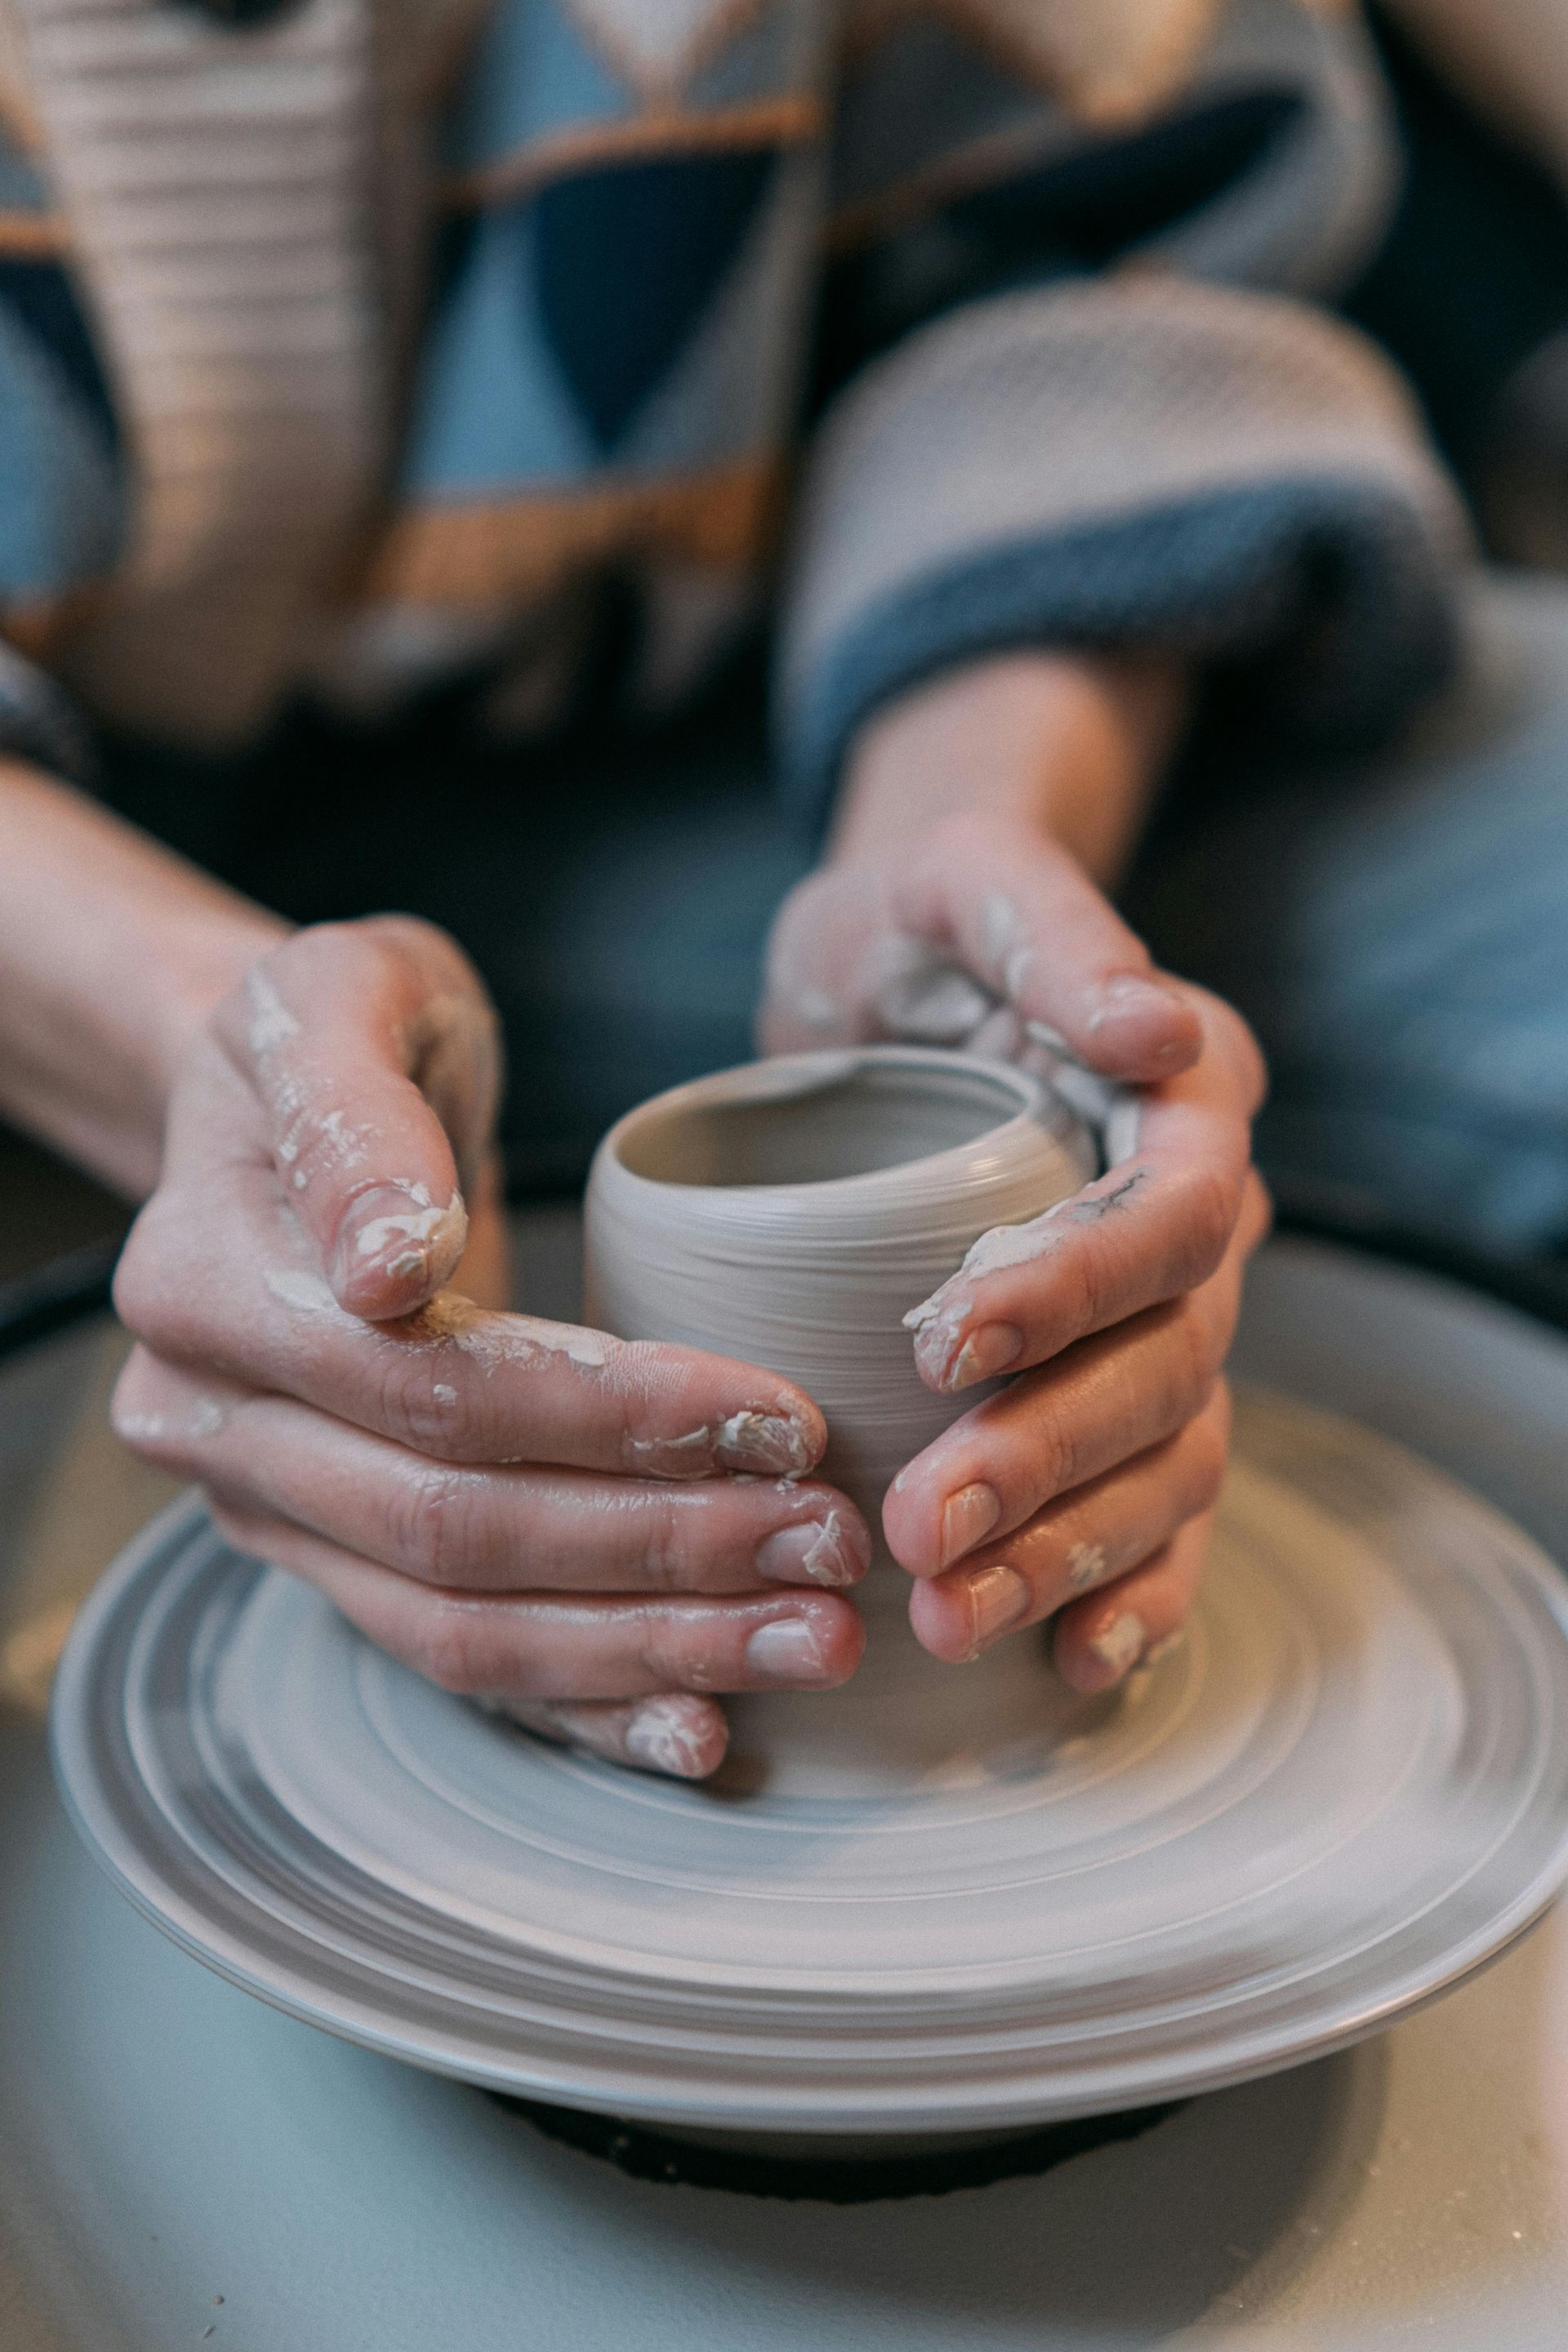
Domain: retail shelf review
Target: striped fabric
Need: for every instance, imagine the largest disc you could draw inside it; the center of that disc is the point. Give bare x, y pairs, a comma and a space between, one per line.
355, 347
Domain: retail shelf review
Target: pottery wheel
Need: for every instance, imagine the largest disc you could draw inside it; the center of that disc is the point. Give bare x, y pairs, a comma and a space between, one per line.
941, 1900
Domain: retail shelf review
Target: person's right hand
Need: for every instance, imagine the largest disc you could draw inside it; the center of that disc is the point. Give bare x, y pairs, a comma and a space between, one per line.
591, 1534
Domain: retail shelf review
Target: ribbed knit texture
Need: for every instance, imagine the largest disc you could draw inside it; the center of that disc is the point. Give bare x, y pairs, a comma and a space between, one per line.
225, 238
422, 318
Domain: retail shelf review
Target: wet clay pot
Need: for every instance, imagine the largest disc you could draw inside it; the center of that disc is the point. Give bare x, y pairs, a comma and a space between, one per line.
791, 1213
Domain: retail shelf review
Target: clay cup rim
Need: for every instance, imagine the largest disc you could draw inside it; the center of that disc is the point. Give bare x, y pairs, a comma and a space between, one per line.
686, 1142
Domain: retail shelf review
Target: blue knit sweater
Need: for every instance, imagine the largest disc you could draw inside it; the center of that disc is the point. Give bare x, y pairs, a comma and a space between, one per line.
350, 347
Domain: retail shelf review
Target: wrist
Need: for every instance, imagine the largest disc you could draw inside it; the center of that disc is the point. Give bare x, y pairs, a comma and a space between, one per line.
1073, 745
112, 952
207, 958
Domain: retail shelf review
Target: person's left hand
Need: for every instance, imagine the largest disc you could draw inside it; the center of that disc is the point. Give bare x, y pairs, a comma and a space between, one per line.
1084, 1490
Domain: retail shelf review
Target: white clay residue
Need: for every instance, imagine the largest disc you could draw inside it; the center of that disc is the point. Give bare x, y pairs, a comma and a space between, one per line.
999, 928
1122, 1643
761, 1438
309, 1293
202, 1419
344, 1145
817, 1009
271, 1023
1085, 1566
1006, 1245
334, 1142
1016, 969
824, 1557
493, 1339
425, 1231
1123, 1123
917, 994
942, 1315
690, 1441
999, 1036
662, 1735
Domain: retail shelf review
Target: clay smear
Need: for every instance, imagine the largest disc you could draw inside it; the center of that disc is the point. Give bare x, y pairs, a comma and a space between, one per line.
788, 1224
940, 1316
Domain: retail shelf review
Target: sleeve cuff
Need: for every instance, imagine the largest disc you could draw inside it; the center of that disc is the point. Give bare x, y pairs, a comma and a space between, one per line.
1226, 476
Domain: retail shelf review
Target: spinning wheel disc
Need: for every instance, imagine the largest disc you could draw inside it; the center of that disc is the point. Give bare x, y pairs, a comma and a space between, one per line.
936, 1900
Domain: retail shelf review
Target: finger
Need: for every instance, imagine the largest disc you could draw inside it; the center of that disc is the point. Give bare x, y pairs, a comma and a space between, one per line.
490, 1528
1084, 1541
207, 1282
815, 984
682, 1736
1095, 1405
530, 1646
1155, 1225
484, 1271
1095, 1644
1022, 917
374, 1054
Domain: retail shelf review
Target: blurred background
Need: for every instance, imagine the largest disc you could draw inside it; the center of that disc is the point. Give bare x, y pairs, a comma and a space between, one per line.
1467, 290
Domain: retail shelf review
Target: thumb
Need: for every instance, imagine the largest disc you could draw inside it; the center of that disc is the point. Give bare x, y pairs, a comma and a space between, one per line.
338, 1032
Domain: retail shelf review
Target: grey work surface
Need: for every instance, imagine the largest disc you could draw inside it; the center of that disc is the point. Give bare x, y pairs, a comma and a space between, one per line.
166, 2141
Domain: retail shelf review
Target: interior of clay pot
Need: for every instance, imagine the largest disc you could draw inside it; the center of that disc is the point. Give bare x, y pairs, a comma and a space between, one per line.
848, 1120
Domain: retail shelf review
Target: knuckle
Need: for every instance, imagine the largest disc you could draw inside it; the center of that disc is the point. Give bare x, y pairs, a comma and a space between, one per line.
411, 939
146, 1297
1054, 1459
1087, 1283
434, 1408
1200, 1336
323, 944
666, 1556
1209, 1209
1205, 1464
1236, 1040
421, 1398
459, 1649
432, 1524
674, 1656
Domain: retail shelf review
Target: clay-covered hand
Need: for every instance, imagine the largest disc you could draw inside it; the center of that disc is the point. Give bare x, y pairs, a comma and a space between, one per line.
1083, 1491
590, 1534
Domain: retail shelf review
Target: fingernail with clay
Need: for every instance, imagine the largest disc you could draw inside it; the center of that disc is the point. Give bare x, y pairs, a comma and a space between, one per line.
1119, 1646
984, 1354
762, 1441
967, 1518
662, 1735
786, 1650
400, 1229
817, 1552
998, 1600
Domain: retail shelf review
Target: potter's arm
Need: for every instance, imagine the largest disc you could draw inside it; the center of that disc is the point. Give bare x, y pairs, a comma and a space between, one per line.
1073, 745
312, 1283
112, 950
